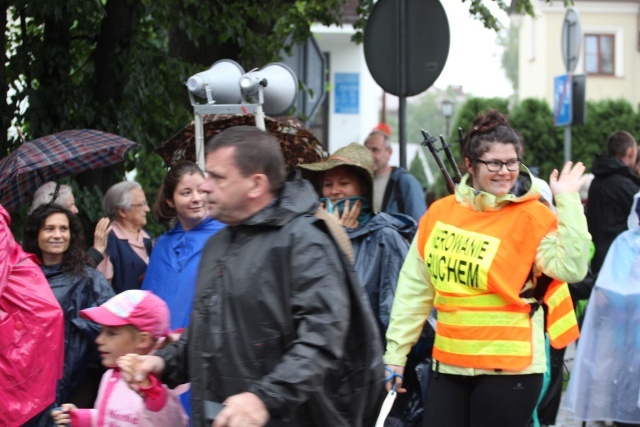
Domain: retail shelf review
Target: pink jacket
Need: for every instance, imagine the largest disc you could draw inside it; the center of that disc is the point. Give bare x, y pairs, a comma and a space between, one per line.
119, 406
31, 333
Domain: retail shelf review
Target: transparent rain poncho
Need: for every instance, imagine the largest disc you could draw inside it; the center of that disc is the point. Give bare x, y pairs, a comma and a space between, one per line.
605, 378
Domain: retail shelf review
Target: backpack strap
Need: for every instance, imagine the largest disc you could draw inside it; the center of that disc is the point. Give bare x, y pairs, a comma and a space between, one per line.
393, 184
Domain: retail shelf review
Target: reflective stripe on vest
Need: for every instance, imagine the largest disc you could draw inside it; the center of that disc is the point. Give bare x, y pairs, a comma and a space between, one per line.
484, 339
562, 325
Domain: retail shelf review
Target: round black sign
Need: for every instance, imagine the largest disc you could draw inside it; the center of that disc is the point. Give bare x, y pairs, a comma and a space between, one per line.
406, 44
571, 39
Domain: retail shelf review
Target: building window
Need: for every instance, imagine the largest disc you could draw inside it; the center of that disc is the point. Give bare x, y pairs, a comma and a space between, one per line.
599, 54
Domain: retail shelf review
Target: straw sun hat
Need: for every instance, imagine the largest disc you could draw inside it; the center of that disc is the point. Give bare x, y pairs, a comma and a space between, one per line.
354, 155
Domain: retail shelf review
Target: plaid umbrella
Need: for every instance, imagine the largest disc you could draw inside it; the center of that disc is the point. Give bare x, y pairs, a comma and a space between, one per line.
298, 143
52, 156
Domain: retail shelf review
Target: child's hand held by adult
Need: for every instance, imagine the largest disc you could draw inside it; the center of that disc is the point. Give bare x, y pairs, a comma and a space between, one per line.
129, 366
61, 415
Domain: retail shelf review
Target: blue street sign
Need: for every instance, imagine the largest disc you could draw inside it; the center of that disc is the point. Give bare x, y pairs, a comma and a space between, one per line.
562, 96
347, 93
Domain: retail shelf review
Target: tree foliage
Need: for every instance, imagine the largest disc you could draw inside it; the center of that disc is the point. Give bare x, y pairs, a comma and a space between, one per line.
508, 38
603, 118
424, 112
543, 148
118, 65
417, 170
470, 109
477, 10
544, 142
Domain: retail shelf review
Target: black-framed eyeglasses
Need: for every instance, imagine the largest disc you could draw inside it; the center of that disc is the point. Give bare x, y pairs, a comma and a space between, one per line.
512, 165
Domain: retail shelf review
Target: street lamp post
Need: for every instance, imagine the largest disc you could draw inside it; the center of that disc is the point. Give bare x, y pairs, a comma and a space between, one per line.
446, 108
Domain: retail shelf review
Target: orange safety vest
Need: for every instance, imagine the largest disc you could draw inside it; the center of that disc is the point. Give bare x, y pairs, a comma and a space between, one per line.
478, 263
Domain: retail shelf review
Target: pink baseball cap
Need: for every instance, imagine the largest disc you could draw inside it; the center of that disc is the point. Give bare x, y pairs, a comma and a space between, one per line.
141, 309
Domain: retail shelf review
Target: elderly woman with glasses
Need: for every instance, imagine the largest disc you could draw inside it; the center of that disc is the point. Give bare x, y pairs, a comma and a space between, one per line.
128, 245
487, 258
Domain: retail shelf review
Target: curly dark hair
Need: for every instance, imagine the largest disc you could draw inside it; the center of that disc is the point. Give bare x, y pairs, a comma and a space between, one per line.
487, 129
162, 212
74, 258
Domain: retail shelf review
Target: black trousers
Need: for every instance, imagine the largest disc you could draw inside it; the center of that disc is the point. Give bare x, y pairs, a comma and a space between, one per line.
481, 401
550, 403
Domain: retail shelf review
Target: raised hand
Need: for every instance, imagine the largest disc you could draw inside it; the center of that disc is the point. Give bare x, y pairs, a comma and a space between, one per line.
571, 178
103, 227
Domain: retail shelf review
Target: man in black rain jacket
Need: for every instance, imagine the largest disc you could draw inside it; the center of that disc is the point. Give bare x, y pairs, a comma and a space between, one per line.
611, 193
281, 332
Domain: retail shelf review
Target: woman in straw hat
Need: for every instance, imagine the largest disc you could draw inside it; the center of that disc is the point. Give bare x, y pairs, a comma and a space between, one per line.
380, 240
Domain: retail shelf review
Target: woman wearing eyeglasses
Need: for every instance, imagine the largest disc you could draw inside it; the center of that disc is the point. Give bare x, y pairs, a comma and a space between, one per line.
128, 244
487, 258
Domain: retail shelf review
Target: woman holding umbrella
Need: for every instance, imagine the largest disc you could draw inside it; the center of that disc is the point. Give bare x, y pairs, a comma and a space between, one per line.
128, 245
173, 266
54, 235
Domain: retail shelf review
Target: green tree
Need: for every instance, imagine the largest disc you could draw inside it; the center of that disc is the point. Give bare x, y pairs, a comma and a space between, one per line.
468, 111
603, 118
424, 112
508, 38
533, 119
438, 189
117, 65
477, 9
416, 169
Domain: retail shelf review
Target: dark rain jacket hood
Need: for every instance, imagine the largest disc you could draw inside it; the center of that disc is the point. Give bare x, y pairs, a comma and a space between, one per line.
380, 247
609, 203
605, 165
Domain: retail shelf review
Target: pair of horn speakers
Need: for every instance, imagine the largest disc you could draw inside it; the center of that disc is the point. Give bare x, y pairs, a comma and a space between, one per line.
227, 83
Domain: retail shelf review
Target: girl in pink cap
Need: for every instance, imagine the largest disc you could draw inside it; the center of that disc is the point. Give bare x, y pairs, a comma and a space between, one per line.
133, 322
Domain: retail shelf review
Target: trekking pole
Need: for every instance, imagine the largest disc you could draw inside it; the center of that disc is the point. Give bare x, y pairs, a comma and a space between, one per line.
447, 150
429, 142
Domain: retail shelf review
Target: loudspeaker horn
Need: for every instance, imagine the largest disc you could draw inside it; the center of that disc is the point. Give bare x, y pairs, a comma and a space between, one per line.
222, 81
279, 87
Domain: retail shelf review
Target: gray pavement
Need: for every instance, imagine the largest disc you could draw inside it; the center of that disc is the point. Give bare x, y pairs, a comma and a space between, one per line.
566, 419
